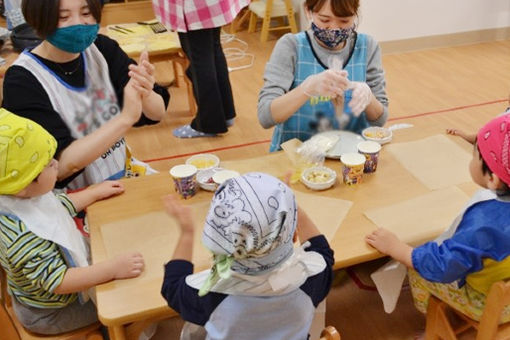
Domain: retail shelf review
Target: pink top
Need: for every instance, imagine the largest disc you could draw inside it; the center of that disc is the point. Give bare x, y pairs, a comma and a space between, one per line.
190, 15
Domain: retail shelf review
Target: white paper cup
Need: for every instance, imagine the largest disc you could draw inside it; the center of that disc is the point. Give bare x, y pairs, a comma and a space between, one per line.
185, 179
371, 152
352, 169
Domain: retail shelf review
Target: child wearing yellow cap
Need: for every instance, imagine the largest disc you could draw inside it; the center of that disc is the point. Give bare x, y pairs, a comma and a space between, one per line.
45, 257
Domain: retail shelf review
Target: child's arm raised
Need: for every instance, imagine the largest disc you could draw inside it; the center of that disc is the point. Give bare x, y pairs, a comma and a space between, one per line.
78, 279
388, 243
471, 138
182, 213
96, 192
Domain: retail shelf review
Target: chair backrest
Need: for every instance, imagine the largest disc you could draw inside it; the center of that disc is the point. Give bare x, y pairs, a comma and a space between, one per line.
273, 8
497, 300
330, 333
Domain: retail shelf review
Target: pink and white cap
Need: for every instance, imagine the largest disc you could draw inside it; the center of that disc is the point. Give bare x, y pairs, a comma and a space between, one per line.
494, 145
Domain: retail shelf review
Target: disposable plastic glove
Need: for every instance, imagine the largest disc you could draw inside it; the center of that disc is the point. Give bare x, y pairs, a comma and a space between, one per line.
329, 83
361, 97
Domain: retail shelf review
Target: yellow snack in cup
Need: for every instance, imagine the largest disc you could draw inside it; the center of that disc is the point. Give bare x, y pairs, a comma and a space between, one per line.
202, 163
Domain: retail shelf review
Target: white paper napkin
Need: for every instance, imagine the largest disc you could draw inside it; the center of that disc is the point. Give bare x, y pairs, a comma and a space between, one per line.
388, 280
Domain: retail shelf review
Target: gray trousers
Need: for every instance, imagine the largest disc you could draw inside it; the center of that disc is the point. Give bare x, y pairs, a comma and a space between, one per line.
55, 320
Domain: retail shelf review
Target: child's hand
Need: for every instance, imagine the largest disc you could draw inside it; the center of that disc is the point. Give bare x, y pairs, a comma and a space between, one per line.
388, 243
181, 212
128, 265
455, 132
383, 240
106, 189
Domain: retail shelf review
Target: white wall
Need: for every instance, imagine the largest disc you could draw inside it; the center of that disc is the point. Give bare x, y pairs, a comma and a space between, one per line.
388, 20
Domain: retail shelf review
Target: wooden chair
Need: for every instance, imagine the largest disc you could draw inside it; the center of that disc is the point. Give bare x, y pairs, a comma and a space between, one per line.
238, 21
439, 326
12, 329
267, 9
330, 333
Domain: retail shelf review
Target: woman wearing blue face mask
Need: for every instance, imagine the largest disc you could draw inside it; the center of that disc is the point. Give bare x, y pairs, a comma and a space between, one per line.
83, 89
328, 76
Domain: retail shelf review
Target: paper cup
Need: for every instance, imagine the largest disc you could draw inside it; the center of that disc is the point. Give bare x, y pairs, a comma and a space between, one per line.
371, 152
185, 179
352, 169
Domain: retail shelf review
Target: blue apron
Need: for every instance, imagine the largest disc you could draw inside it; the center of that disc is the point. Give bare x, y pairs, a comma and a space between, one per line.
318, 113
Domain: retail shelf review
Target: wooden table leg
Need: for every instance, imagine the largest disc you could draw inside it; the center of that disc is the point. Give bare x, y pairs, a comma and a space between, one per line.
117, 332
134, 330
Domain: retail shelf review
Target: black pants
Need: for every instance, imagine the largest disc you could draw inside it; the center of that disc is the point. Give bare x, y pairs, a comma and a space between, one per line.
209, 74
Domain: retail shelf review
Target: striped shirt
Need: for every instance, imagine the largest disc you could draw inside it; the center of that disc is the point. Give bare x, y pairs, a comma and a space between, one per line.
191, 15
35, 267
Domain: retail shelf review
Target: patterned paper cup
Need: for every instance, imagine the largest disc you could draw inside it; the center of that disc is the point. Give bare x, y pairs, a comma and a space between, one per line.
371, 152
352, 169
185, 179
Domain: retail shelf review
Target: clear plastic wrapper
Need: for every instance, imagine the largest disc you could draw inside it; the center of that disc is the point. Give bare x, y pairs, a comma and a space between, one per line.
311, 153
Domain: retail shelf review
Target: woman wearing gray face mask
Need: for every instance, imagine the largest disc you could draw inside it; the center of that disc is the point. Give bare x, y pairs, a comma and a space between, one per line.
329, 69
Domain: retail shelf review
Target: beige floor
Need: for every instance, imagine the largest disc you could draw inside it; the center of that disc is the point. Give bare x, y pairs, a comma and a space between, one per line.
461, 87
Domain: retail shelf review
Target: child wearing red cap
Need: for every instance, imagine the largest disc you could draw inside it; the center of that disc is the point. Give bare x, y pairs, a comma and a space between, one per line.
462, 264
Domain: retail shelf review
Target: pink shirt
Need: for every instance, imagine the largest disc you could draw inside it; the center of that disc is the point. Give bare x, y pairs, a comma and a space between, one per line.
190, 15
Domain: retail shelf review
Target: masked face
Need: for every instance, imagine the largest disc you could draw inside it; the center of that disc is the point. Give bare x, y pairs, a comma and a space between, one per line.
332, 38
74, 39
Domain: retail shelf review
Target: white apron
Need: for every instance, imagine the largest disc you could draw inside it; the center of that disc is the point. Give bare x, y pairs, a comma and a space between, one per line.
84, 110
46, 217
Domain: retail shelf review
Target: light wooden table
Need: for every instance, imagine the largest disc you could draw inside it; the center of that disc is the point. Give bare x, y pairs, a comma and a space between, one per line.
160, 46
129, 301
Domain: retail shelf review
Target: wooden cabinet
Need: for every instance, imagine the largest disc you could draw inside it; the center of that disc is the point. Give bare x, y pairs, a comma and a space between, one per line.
122, 11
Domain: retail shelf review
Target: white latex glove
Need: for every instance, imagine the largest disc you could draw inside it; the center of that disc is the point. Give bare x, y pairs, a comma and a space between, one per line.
329, 83
361, 97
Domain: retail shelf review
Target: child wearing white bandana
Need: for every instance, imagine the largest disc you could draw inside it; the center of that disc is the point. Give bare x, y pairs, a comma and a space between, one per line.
260, 286
45, 257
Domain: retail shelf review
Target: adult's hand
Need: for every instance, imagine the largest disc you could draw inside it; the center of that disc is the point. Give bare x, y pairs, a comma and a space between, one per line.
143, 75
329, 83
361, 97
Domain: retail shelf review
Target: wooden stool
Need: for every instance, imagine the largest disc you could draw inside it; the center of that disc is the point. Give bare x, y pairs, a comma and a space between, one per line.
267, 9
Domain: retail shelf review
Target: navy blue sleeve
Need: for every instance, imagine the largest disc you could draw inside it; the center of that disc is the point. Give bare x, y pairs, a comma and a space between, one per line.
317, 287
183, 298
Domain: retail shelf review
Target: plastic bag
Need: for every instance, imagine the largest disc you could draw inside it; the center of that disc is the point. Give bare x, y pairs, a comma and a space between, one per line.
311, 153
